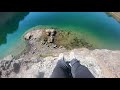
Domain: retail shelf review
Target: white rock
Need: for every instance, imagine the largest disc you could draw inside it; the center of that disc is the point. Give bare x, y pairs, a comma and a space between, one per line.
27, 36
101, 63
35, 34
9, 57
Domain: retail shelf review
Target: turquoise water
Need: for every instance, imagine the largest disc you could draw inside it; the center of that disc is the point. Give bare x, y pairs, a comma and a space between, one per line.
97, 27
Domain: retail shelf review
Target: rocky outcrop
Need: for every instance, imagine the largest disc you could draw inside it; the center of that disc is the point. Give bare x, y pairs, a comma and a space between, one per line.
46, 36
51, 35
102, 64
41, 59
50, 32
13, 68
7, 67
67, 39
33, 34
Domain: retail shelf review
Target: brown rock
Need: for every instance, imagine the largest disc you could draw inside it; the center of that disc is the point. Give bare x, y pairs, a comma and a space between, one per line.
50, 39
50, 32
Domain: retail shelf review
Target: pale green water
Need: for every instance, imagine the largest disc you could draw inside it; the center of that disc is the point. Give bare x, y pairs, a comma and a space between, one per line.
97, 27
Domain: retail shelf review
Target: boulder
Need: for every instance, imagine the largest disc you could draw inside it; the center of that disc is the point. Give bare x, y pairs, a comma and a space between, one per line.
55, 46
35, 34
50, 39
50, 32
28, 36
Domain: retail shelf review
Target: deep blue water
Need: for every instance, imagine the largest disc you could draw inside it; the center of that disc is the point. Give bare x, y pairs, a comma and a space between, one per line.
98, 27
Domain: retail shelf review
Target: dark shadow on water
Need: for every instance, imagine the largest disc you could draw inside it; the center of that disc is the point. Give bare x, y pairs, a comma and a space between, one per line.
9, 22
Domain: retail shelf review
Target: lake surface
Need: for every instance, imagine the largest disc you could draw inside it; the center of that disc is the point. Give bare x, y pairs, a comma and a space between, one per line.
100, 29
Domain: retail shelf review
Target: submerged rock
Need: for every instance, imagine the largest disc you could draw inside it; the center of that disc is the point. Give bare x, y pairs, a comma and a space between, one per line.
9, 57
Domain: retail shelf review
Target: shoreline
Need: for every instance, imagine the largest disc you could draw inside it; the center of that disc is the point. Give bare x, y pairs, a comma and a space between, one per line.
70, 40
41, 47
42, 57
95, 41
115, 15
23, 44
59, 41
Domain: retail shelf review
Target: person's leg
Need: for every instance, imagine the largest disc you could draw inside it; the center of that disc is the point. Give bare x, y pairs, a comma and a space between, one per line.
62, 69
78, 70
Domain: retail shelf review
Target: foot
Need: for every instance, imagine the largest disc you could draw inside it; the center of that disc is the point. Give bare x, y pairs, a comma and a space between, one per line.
63, 61
72, 56
61, 57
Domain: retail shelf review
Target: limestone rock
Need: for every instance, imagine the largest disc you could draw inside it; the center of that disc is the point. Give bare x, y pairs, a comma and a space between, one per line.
50, 39
55, 46
28, 36
50, 32
9, 57
102, 64
40, 61
35, 34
